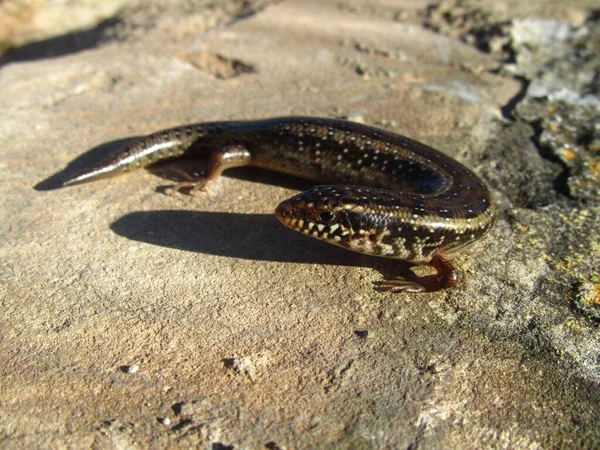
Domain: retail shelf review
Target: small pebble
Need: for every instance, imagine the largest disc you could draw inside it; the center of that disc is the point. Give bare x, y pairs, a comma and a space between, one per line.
129, 369
165, 421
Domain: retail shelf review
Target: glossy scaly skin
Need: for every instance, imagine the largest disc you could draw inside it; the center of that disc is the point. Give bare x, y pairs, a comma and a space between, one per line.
387, 195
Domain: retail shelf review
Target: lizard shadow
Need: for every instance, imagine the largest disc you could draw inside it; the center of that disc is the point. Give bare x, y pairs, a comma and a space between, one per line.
257, 237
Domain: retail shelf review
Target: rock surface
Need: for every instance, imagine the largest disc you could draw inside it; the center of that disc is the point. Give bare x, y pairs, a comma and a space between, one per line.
131, 318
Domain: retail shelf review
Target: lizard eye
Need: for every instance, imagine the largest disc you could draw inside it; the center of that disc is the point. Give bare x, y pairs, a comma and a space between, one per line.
327, 217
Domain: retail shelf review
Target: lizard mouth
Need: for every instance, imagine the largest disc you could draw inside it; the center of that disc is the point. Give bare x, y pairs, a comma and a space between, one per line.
288, 214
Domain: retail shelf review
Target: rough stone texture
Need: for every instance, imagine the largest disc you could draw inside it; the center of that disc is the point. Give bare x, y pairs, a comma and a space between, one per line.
131, 318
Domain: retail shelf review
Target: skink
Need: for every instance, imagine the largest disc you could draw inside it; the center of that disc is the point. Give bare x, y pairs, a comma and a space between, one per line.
387, 195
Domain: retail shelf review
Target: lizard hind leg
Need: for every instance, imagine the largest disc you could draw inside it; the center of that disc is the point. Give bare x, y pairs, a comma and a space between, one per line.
220, 160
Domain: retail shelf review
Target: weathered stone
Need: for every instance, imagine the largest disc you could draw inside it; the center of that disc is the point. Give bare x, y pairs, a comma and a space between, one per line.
248, 335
